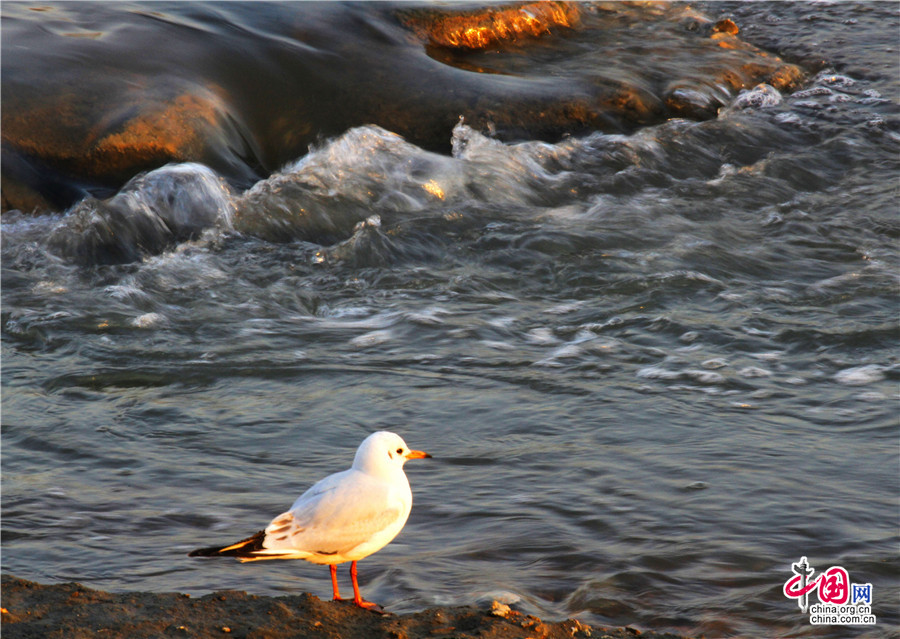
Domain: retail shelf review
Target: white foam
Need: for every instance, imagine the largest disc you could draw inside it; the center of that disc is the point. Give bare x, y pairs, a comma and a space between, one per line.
829, 77
149, 320
705, 377
754, 371
567, 351
761, 96
372, 338
564, 308
657, 372
542, 336
497, 345
871, 396
860, 375
428, 316
44, 287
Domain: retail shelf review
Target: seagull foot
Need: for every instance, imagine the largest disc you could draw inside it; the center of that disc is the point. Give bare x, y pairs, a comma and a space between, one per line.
371, 606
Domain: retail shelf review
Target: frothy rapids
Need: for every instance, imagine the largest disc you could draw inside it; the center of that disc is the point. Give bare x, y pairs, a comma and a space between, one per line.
656, 364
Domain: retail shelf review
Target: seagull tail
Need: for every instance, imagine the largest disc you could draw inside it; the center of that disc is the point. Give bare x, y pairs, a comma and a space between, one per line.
242, 549
250, 549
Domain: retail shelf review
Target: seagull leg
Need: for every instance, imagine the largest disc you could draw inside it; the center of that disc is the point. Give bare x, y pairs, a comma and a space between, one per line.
357, 599
334, 584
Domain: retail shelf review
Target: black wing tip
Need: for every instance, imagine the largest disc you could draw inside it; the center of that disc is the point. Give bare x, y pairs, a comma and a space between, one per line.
241, 548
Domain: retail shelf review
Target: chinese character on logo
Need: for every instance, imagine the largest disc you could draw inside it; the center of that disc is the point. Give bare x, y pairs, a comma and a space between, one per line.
835, 592
834, 586
798, 586
862, 593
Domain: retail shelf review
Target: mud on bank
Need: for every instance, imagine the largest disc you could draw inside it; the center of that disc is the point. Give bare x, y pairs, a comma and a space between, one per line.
71, 610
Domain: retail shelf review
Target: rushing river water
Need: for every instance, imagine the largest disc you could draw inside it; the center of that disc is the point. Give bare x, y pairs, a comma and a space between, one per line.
655, 368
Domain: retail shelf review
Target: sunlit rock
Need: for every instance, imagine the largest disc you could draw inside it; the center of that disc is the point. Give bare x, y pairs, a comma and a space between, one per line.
91, 98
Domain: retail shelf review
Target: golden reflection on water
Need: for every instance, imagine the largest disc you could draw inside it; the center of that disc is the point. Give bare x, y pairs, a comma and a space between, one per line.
485, 28
434, 188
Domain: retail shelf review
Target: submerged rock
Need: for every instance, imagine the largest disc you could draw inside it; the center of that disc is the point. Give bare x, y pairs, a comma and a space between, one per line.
91, 98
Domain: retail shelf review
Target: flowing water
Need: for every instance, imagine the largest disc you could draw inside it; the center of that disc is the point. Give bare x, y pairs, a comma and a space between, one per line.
655, 368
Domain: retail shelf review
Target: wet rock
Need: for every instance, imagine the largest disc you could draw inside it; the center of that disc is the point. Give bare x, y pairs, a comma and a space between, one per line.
151, 213
695, 101
83, 115
107, 141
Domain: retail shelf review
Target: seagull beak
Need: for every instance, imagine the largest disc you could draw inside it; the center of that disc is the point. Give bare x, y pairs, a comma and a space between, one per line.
417, 454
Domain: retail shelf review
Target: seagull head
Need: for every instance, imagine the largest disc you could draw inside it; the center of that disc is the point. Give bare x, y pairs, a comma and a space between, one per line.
384, 453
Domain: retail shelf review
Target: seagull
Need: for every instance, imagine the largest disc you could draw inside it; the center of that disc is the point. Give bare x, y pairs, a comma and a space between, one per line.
345, 517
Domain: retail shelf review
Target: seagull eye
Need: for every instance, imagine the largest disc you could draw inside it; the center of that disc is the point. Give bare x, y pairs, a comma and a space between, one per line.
399, 451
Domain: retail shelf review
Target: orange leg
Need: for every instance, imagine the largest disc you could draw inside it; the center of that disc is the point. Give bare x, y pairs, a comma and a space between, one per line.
334, 584
357, 599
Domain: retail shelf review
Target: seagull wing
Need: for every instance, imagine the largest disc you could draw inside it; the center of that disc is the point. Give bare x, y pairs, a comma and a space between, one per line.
337, 515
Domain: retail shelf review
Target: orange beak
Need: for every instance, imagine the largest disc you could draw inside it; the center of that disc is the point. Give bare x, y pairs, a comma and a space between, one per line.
417, 454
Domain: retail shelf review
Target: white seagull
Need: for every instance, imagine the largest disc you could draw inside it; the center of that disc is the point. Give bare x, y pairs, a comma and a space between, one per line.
345, 517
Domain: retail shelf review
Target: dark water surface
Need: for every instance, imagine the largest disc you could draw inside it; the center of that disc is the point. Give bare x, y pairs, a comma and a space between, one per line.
654, 368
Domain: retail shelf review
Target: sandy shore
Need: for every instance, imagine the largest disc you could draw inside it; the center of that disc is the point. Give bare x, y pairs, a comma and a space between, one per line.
33, 610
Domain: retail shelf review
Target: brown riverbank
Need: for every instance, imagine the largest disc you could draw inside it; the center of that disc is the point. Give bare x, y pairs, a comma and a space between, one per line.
70, 610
